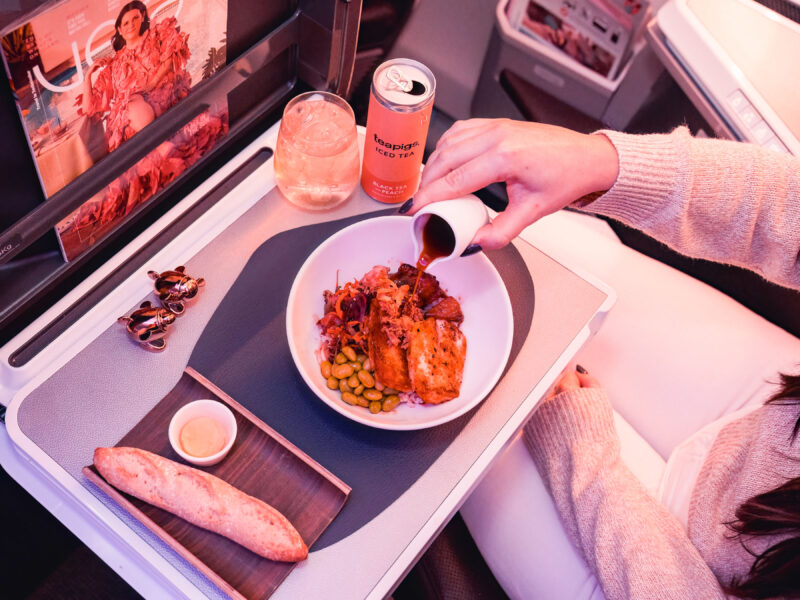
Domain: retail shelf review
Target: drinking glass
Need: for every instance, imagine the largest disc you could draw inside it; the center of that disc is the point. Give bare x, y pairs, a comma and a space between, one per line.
316, 157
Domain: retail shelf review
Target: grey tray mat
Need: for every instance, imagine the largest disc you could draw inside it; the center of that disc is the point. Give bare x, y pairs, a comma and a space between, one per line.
245, 352
107, 387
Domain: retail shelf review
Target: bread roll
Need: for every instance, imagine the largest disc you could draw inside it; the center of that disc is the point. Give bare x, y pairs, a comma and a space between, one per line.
203, 500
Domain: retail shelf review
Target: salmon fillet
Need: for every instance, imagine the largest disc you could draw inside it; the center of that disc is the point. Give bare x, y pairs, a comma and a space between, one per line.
436, 354
387, 356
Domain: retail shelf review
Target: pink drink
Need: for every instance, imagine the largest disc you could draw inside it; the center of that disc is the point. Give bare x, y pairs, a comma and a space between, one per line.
316, 157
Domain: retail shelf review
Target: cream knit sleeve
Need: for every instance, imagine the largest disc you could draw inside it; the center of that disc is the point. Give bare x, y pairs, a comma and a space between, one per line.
729, 202
635, 547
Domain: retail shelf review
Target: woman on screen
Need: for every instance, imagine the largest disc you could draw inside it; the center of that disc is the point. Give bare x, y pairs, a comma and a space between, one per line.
146, 76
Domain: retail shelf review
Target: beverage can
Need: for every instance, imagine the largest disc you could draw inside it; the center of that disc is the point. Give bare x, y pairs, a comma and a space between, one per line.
399, 113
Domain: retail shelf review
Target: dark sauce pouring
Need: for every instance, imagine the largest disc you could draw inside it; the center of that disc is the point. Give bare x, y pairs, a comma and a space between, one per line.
438, 240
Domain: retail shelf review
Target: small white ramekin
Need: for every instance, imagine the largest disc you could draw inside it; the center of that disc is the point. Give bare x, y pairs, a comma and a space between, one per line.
202, 408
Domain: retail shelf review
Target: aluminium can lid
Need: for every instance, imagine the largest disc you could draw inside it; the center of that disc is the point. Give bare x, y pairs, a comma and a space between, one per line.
403, 84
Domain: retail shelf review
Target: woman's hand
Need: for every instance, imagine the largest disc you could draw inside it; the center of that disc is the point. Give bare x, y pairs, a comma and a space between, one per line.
96, 66
86, 102
87, 78
572, 380
545, 169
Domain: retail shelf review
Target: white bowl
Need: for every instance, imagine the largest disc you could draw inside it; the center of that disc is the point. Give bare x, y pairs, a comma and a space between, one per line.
203, 408
488, 322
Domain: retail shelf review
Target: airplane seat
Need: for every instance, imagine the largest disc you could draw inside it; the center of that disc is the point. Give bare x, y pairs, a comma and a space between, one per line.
674, 354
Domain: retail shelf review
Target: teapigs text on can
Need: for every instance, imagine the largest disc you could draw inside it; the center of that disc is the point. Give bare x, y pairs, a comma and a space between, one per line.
400, 104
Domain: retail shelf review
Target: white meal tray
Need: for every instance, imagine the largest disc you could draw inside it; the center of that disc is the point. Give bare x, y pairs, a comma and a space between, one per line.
46, 442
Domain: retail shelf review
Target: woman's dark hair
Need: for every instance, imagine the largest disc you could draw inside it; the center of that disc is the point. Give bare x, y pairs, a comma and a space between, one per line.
776, 570
118, 42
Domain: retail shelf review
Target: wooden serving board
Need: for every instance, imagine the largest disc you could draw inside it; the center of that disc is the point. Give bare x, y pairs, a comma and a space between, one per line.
261, 463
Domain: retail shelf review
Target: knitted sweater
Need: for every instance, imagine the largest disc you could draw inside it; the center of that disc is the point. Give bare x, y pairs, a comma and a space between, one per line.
724, 201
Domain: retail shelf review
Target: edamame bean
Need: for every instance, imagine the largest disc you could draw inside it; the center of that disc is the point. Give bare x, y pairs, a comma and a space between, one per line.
372, 395
342, 371
351, 374
325, 368
390, 402
366, 378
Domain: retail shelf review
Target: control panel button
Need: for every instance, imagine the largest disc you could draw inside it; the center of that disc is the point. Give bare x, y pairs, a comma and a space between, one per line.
761, 132
750, 116
775, 144
738, 101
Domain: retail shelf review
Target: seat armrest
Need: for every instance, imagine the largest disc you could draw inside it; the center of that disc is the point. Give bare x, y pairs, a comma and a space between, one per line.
674, 353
